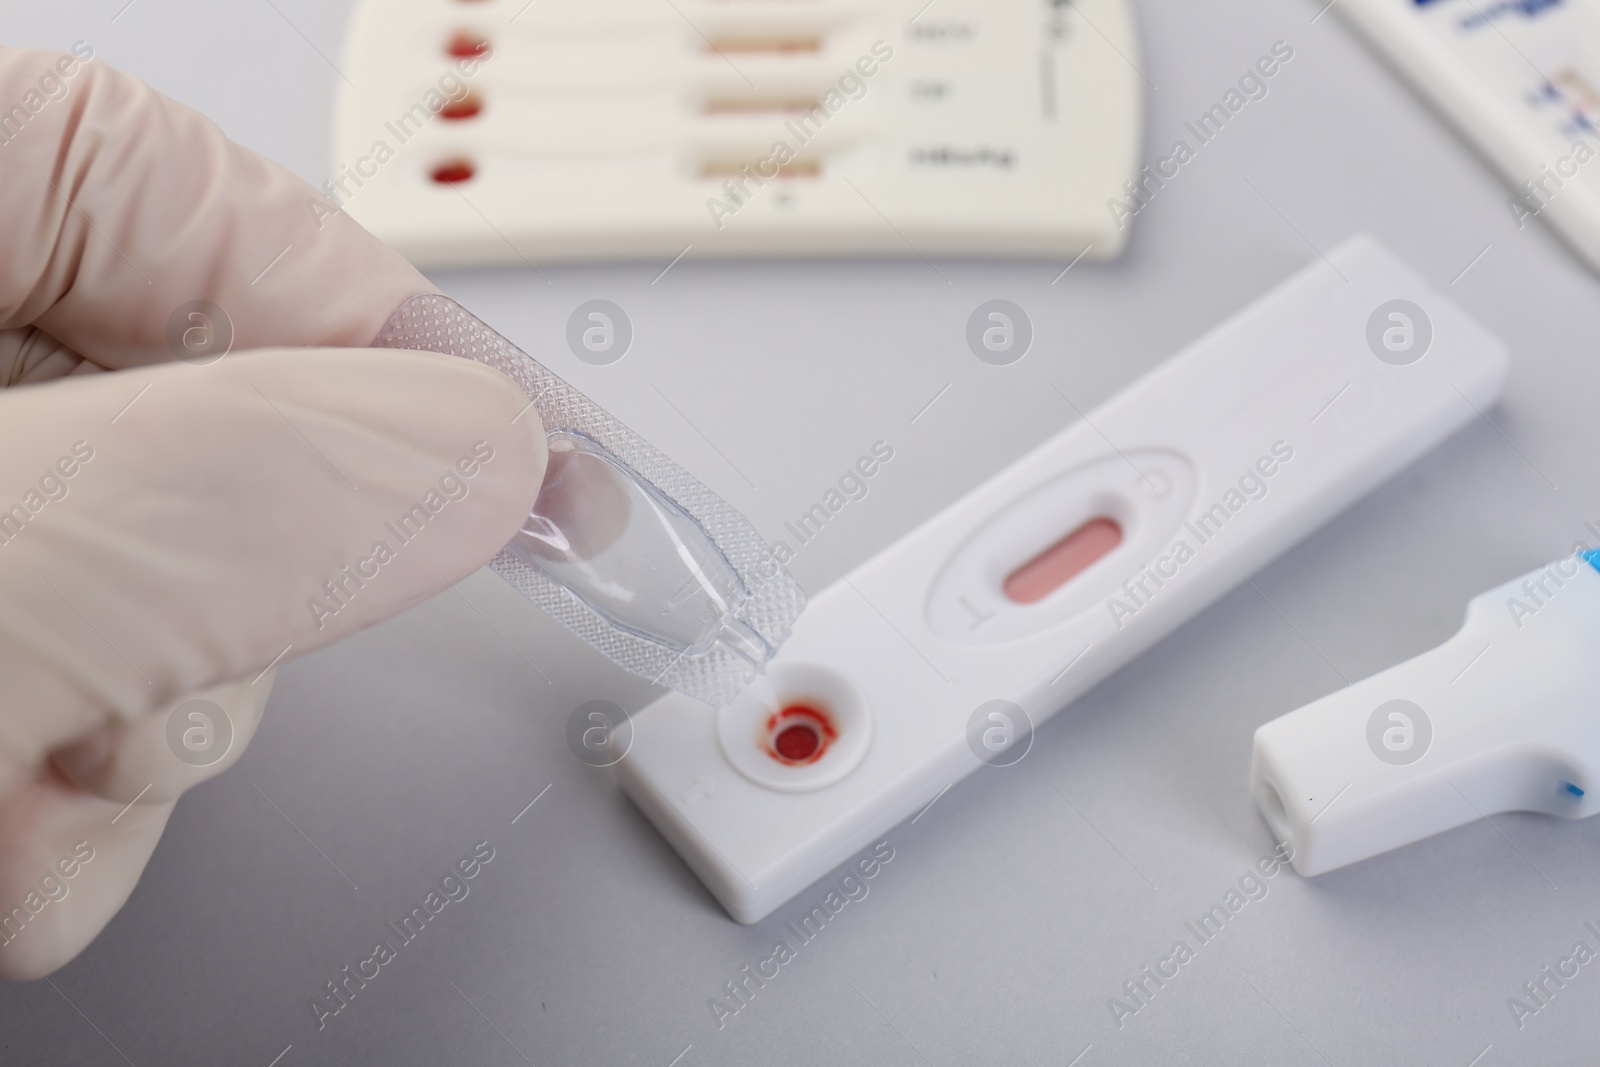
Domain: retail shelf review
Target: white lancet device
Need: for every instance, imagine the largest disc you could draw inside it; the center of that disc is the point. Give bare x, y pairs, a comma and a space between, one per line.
934, 658
1501, 717
503, 131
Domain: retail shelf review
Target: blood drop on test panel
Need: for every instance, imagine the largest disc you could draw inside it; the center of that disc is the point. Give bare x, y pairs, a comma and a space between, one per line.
799, 734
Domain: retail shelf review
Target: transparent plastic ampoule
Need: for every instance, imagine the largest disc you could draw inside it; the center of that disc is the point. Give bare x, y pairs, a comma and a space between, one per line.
626, 549
632, 555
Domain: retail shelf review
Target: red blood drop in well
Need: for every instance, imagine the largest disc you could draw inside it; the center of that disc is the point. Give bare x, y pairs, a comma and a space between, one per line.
799, 734
466, 46
456, 170
465, 108
797, 743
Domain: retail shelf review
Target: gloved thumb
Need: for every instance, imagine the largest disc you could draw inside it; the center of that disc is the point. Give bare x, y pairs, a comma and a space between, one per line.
170, 528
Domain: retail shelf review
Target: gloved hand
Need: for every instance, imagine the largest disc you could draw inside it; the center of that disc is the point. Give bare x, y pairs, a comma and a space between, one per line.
168, 531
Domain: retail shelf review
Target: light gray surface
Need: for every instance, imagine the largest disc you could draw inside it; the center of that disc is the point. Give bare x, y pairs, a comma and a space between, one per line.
1007, 917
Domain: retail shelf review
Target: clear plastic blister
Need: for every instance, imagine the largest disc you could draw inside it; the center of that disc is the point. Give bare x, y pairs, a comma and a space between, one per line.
624, 547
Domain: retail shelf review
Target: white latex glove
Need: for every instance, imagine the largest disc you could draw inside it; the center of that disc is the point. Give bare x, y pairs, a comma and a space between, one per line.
177, 521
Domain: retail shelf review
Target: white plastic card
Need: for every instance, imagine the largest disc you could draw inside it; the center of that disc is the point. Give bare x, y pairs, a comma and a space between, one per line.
504, 131
1522, 82
937, 656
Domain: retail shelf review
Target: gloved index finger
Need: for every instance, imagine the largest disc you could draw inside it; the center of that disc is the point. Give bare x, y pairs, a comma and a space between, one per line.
123, 214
